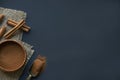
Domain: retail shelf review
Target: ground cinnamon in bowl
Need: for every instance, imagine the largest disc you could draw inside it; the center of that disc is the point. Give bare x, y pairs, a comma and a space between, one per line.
12, 55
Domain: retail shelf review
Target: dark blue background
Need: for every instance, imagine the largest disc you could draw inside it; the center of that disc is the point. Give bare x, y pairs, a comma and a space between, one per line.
80, 38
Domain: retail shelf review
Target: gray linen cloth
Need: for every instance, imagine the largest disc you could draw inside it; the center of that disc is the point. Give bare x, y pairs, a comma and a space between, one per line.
17, 16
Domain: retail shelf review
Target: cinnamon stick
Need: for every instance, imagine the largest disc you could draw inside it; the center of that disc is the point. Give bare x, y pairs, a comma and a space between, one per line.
1, 17
13, 30
14, 23
2, 31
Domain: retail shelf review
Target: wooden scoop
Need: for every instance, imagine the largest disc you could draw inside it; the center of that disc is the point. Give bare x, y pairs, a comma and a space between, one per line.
37, 67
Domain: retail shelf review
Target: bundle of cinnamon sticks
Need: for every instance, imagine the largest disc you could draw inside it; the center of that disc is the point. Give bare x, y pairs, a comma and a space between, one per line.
16, 26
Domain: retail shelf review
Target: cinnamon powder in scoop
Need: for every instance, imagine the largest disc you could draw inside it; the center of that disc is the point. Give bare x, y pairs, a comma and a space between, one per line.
38, 65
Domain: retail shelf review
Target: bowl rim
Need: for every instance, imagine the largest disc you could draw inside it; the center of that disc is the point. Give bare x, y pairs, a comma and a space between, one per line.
24, 55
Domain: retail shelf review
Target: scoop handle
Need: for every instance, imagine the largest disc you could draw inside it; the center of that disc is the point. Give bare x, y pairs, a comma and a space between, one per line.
29, 77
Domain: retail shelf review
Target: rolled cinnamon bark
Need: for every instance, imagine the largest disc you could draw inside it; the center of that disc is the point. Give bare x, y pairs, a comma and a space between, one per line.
13, 30
14, 23
1, 17
2, 31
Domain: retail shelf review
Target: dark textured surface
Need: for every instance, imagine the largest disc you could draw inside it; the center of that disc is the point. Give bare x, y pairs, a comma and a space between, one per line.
80, 38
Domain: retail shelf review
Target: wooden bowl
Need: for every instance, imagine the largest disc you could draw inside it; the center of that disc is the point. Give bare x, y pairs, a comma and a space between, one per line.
12, 55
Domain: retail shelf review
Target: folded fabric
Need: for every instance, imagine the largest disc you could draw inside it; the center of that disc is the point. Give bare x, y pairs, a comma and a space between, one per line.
17, 16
